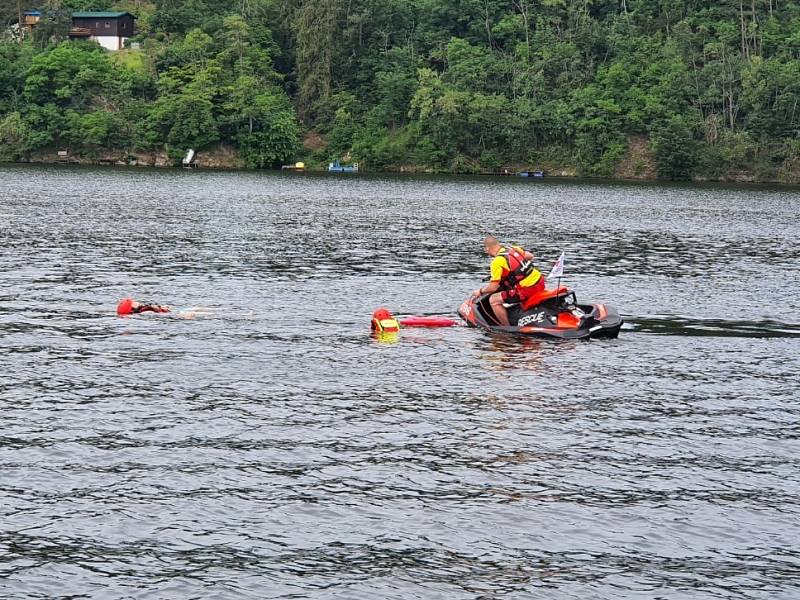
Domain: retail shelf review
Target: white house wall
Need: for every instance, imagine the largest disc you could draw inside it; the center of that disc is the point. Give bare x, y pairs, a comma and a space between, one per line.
110, 42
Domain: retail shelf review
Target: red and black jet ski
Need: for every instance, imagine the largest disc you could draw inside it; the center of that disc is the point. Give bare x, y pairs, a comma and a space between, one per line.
552, 313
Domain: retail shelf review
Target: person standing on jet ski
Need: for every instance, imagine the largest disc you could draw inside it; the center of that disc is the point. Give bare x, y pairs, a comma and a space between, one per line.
513, 280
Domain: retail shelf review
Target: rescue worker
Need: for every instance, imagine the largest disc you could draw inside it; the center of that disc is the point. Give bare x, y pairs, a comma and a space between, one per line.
513, 279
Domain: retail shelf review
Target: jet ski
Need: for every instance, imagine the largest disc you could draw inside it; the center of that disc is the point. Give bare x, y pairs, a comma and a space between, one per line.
552, 313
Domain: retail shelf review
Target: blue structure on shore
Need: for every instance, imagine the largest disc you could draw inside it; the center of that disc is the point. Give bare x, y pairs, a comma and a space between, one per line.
337, 167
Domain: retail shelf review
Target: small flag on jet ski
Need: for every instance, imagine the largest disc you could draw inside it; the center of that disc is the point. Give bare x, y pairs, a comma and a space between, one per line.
558, 268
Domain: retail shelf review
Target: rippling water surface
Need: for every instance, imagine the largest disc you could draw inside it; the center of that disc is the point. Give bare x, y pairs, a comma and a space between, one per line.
275, 450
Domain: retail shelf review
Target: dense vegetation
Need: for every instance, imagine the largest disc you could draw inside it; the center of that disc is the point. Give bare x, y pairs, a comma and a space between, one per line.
712, 88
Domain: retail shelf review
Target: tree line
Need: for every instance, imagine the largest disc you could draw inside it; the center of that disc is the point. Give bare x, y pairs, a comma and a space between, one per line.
713, 87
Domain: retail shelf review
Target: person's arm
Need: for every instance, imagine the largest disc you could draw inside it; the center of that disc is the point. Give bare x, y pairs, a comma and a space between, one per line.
529, 255
152, 308
489, 288
497, 268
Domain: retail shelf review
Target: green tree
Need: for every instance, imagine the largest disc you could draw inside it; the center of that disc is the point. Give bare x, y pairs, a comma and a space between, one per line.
675, 149
16, 138
262, 122
315, 26
68, 75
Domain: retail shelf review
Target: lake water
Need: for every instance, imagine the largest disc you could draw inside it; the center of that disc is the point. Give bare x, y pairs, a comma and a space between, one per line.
276, 450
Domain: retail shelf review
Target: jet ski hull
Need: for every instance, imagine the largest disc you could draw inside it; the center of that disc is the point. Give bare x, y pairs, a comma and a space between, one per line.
560, 317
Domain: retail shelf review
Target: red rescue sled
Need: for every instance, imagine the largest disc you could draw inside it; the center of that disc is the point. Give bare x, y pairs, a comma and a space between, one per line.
428, 322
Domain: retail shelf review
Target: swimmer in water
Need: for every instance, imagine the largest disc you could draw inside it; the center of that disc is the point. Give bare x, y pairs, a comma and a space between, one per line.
129, 306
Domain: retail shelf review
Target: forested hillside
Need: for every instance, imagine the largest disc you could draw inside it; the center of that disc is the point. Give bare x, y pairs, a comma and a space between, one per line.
677, 88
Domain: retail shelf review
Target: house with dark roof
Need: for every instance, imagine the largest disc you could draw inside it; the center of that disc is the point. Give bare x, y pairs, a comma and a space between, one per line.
109, 29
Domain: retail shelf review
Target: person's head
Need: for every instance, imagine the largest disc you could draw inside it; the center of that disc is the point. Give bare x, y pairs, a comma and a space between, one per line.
127, 306
384, 322
491, 246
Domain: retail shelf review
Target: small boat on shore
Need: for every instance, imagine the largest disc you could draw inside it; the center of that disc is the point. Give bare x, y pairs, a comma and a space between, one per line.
531, 174
337, 167
188, 160
298, 166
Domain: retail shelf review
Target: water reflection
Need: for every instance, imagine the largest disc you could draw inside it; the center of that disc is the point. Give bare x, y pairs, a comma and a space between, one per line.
499, 352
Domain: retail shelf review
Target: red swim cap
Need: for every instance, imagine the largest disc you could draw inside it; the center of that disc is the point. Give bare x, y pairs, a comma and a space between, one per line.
381, 313
125, 307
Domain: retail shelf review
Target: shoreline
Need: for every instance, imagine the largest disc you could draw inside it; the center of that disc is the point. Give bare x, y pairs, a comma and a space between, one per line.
226, 160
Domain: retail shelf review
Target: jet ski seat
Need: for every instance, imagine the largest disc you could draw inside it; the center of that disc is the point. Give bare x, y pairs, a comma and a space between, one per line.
544, 295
